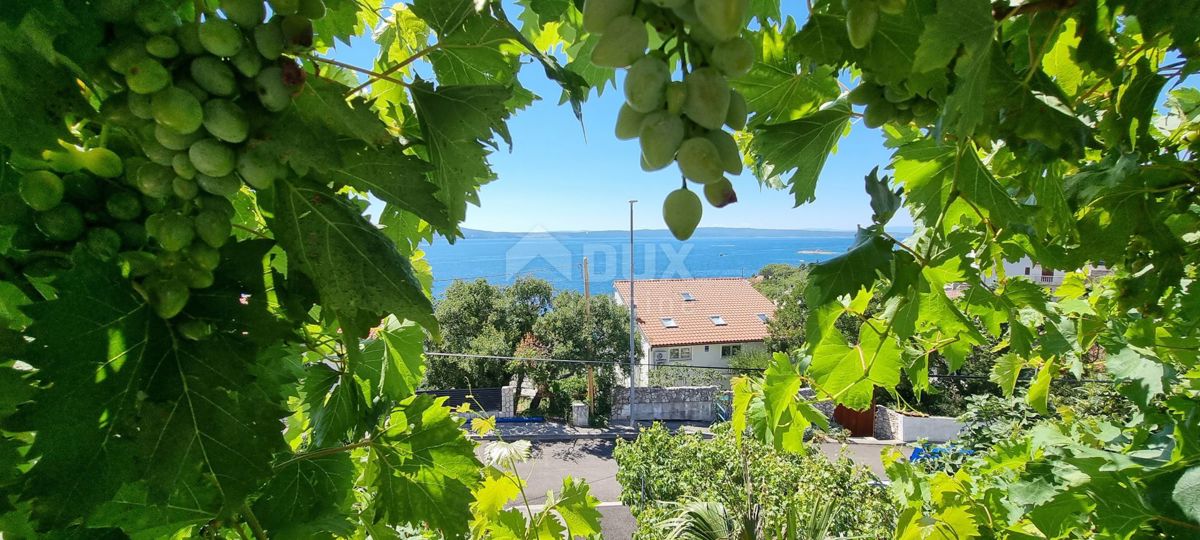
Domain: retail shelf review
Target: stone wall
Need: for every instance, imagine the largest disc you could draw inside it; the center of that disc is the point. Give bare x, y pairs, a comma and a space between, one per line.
506, 400
688, 403
892, 425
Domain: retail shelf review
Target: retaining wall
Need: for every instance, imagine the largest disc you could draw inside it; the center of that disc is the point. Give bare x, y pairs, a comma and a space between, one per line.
892, 425
685, 403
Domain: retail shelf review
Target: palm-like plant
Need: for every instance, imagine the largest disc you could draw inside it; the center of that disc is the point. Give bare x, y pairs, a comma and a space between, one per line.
707, 520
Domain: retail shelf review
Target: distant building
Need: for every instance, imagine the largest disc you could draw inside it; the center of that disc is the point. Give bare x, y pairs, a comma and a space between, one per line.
696, 322
1048, 277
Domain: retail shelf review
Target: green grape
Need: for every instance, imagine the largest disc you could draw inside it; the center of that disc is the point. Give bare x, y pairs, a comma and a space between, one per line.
284, 7
865, 94
669, 4
153, 204
154, 224
184, 189
245, 13
155, 17
125, 54
213, 228
41, 190
168, 297
123, 205
878, 113
62, 162
258, 167
892, 7
924, 110
197, 278
136, 263
312, 9
247, 62
194, 89
63, 223
676, 96
154, 180
220, 37
103, 242
173, 140
139, 105
646, 83
624, 41
597, 14
268, 39
212, 157
225, 186
182, 165
723, 18
188, 37
114, 10
905, 116
629, 122
699, 161
707, 102
861, 19
682, 211
213, 75
897, 93
79, 187
147, 76
156, 152
226, 121
204, 255
133, 234
214, 202
195, 330
720, 194
297, 33
175, 231
162, 46
177, 109
272, 92
736, 117
102, 162
727, 149
733, 58
660, 137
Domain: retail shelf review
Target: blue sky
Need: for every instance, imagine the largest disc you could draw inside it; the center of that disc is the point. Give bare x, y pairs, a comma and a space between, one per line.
561, 176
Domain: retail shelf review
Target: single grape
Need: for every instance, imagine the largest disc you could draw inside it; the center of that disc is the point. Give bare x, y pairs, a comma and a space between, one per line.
212, 157
865, 94
188, 37
184, 189
196, 277
723, 18
297, 33
175, 232
136, 263
892, 7
139, 105
646, 83
182, 165
213, 75
103, 243
284, 7
102, 162
733, 58
877, 114
155, 17
41, 190
708, 97
699, 161
245, 13
214, 202
676, 96
203, 255
123, 205
727, 150
225, 186
247, 62
177, 109
147, 76
682, 211
597, 14
133, 234
629, 122
154, 180
174, 140
63, 223
660, 137
312, 9
258, 167
268, 38
226, 121
168, 297
720, 194
272, 92
213, 228
220, 37
736, 117
624, 41
861, 19
162, 46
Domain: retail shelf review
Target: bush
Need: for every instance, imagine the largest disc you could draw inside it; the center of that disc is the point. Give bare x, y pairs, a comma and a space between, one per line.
660, 467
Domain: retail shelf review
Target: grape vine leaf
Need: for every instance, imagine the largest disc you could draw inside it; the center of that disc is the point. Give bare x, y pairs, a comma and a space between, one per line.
1006, 371
773, 88
356, 269
456, 122
496, 489
307, 495
1144, 375
1186, 493
336, 405
576, 506
800, 145
396, 178
484, 52
446, 16
1039, 391
422, 469
956, 23
134, 512
851, 271
394, 363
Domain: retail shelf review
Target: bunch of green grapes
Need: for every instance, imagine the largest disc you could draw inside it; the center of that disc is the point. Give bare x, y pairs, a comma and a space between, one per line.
680, 120
894, 102
152, 186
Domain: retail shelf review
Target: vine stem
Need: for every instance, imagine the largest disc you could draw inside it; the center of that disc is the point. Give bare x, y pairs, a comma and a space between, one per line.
352, 67
325, 452
252, 520
901, 245
387, 72
255, 232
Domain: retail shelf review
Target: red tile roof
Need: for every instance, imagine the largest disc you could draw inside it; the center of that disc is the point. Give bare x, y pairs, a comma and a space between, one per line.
731, 298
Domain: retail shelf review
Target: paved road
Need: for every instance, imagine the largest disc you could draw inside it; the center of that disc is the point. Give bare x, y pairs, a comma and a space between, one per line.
592, 460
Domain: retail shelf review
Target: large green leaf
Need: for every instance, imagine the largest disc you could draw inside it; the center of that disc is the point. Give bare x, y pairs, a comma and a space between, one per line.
774, 90
307, 495
394, 363
356, 269
851, 271
800, 145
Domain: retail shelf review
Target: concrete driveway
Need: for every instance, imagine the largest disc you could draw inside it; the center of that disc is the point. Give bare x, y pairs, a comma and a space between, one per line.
591, 460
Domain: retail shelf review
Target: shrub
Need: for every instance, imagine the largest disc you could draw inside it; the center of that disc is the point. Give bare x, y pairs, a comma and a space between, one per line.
660, 467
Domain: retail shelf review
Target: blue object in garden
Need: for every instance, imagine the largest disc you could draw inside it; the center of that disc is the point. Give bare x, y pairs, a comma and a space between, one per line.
519, 419
920, 453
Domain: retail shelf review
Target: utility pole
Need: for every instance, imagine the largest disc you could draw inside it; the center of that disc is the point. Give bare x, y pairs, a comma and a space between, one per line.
587, 325
632, 325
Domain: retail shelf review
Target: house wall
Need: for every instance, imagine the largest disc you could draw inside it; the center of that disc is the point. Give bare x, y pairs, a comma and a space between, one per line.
699, 357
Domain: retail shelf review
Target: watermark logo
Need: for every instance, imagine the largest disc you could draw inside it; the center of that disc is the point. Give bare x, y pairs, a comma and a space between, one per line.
537, 245
560, 257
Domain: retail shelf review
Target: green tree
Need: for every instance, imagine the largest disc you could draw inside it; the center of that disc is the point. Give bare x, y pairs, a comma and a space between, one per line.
578, 328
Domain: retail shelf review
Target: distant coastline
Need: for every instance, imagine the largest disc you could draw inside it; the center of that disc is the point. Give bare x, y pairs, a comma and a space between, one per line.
654, 234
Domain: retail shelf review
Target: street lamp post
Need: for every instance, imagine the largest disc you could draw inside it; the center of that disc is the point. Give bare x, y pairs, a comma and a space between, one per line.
632, 325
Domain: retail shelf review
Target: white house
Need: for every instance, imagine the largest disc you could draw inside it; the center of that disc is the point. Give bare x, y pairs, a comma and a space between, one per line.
1048, 277
696, 322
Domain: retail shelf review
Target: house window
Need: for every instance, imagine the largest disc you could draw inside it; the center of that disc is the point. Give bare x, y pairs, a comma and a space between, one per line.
687, 297
762, 317
706, 348
1027, 270
685, 354
674, 354
730, 350
669, 322
717, 320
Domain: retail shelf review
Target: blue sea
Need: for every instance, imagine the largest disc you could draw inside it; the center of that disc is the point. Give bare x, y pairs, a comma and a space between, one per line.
558, 257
